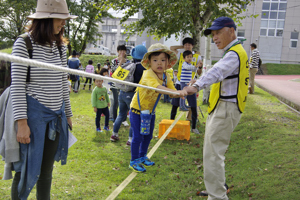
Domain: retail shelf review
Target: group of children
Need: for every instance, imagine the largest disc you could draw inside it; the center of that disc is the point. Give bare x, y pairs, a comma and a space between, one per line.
156, 61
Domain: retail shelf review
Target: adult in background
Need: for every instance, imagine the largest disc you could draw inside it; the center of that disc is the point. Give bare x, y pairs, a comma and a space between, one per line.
119, 61
253, 64
187, 44
42, 106
229, 80
74, 63
125, 98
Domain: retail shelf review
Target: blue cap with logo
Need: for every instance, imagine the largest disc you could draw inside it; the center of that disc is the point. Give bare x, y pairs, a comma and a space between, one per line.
220, 23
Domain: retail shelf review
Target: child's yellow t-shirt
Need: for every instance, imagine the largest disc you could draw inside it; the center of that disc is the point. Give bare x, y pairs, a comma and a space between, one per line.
148, 97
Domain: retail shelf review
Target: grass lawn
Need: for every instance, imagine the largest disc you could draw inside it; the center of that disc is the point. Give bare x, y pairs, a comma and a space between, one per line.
281, 69
262, 161
8, 50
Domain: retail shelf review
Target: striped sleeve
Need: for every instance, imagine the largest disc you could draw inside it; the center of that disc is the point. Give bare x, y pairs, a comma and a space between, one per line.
66, 94
47, 86
187, 66
255, 58
18, 84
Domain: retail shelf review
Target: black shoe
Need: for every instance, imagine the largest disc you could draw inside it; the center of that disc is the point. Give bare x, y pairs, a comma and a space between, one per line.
205, 194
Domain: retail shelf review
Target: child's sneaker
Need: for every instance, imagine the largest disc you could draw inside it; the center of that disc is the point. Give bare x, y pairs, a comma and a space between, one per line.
106, 128
137, 166
114, 138
99, 130
195, 131
183, 109
147, 162
125, 123
128, 143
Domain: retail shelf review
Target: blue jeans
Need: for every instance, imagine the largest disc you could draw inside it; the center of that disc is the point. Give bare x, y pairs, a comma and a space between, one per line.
167, 98
140, 143
115, 105
32, 154
124, 106
182, 101
192, 99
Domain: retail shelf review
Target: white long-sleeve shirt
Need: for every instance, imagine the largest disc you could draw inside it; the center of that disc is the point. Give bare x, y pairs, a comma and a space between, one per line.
49, 87
227, 66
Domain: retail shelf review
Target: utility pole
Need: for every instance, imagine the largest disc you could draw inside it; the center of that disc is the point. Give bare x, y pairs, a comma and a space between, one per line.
206, 67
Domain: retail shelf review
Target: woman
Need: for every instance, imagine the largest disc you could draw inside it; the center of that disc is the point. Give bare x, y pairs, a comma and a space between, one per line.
41, 106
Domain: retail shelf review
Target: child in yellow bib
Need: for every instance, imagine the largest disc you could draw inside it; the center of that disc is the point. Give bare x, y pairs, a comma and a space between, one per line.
156, 61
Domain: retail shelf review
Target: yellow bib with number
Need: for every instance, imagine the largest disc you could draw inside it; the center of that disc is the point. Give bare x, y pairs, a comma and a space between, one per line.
120, 73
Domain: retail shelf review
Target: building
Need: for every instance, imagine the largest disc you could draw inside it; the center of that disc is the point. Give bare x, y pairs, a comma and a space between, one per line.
275, 31
113, 34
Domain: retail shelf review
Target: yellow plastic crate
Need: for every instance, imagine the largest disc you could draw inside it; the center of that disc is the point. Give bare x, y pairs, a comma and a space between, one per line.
181, 130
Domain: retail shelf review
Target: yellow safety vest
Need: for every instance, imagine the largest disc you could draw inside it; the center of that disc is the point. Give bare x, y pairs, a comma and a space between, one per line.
243, 79
181, 60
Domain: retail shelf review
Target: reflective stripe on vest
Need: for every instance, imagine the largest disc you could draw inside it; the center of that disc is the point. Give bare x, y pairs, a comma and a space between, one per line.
243, 79
181, 60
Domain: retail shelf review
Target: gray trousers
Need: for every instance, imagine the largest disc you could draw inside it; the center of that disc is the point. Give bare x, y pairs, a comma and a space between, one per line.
219, 126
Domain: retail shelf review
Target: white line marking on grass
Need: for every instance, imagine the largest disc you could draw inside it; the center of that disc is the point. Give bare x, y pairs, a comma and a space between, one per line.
121, 187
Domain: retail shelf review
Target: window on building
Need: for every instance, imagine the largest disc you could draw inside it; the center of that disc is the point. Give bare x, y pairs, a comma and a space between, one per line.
109, 28
273, 18
121, 42
122, 29
128, 43
294, 39
241, 35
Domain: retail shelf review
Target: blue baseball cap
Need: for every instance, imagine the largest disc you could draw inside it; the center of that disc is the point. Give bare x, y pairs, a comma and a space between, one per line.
220, 23
138, 52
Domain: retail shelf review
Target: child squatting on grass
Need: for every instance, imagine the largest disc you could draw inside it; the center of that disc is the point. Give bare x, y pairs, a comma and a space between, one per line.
156, 61
100, 102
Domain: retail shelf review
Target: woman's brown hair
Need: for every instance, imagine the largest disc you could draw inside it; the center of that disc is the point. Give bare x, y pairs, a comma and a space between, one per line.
42, 32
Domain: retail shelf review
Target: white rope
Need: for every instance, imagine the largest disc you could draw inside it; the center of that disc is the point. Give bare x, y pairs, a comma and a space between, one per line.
123, 185
31, 62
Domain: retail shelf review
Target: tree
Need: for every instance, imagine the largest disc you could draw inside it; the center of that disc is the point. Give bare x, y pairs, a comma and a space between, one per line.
84, 29
166, 17
13, 15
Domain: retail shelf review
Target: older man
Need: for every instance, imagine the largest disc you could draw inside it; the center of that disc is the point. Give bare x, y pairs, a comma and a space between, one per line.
229, 80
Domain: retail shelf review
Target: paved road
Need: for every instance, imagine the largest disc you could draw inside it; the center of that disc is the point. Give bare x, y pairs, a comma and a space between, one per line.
284, 87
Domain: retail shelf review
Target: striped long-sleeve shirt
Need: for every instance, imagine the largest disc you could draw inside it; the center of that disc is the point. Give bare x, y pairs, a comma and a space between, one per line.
254, 59
49, 87
186, 72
